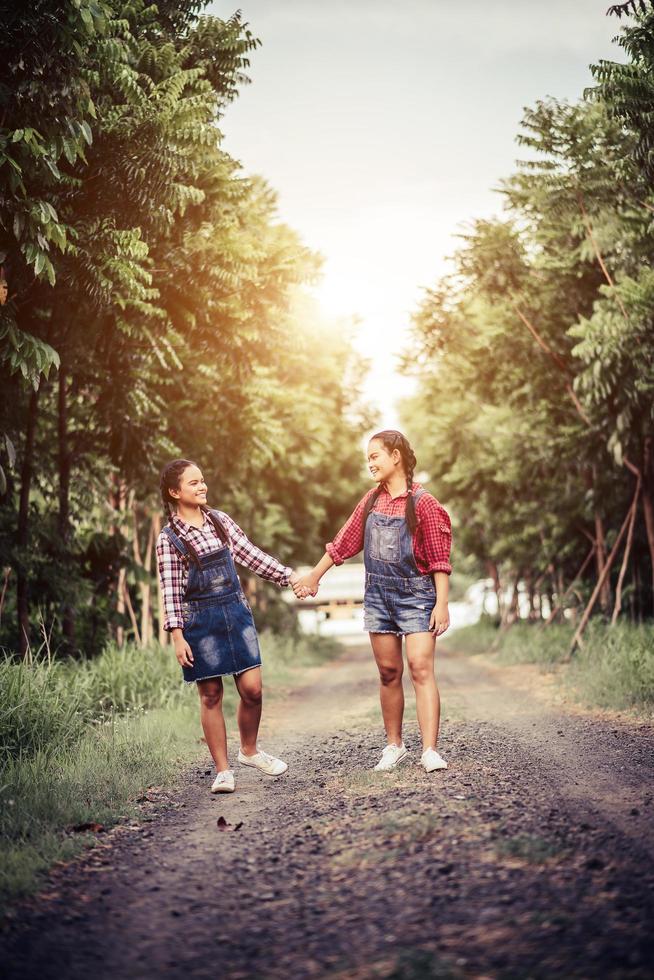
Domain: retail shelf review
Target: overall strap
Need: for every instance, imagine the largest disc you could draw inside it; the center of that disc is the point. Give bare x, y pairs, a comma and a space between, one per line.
185, 548
219, 528
416, 497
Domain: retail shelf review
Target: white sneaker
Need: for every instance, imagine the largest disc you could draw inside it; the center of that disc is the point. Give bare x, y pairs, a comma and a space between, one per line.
391, 756
224, 782
430, 760
266, 763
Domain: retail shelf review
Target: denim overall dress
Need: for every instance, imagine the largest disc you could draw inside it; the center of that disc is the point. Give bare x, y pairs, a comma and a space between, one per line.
398, 598
218, 624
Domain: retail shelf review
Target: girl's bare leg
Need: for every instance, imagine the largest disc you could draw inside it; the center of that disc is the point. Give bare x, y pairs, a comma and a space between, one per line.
387, 649
213, 722
248, 714
420, 649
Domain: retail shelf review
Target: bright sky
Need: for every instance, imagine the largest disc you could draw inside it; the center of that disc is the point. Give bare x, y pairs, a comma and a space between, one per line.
384, 126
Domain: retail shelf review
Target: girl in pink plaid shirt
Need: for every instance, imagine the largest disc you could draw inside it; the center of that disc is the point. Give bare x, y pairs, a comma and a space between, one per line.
208, 615
405, 535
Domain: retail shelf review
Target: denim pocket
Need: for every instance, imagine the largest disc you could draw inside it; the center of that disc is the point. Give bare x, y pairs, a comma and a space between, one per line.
385, 543
424, 590
215, 579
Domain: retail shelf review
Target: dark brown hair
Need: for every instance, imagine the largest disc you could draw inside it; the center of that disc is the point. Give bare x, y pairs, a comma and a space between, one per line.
391, 439
171, 474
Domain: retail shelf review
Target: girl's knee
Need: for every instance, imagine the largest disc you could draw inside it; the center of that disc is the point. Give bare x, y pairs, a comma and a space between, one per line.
251, 695
421, 673
390, 675
212, 697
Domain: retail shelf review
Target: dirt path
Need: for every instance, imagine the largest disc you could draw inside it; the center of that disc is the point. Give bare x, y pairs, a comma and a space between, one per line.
532, 856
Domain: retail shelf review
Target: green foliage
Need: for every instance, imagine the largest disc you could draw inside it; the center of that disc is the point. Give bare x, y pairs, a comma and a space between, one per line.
615, 669
627, 89
158, 280
46, 705
539, 351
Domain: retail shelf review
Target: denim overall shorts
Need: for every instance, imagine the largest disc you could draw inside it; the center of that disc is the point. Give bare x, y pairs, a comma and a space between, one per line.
218, 624
398, 598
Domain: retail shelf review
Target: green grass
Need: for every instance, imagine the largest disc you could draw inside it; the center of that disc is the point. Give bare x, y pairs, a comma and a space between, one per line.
94, 780
529, 848
478, 638
80, 741
46, 705
615, 668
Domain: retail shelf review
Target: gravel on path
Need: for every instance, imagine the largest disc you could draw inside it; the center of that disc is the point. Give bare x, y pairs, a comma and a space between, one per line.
530, 857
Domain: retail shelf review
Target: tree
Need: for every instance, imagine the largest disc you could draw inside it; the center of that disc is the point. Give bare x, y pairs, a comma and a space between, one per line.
170, 289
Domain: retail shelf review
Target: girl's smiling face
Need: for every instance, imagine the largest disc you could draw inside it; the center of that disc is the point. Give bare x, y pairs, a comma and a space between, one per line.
382, 464
192, 490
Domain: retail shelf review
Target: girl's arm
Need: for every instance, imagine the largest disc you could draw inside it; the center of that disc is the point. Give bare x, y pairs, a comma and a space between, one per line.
436, 530
349, 540
347, 543
254, 558
172, 576
439, 620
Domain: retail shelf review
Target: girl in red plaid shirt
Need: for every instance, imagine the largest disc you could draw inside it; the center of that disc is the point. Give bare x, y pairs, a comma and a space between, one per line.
208, 615
406, 537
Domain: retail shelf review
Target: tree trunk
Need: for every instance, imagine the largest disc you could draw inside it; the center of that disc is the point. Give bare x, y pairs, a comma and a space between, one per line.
144, 562
531, 596
625, 559
512, 613
494, 574
600, 560
131, 613
63, 517
118, 501
562, 596
22, 531
648, 501
576, 640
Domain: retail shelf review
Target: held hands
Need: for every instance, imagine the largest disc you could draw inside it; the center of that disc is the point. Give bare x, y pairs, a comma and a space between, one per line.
439, 620
303, 586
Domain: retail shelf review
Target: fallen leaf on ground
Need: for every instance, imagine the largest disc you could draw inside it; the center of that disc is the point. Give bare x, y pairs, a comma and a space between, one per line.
224, 825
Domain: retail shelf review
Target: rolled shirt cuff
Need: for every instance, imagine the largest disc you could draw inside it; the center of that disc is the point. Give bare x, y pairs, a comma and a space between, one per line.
173, 624
441, 566
333, 554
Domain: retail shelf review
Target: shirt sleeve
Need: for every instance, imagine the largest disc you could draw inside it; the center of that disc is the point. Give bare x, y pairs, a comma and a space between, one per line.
436, 530
349, 540
173, 576
252, 557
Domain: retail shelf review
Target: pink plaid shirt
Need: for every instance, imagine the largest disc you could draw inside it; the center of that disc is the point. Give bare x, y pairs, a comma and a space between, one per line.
173, 568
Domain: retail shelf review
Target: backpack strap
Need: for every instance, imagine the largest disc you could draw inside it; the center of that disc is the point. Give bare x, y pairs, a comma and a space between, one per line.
185, 549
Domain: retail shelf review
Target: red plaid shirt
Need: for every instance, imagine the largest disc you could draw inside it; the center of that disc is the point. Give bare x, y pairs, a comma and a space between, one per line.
431, 542
173, 568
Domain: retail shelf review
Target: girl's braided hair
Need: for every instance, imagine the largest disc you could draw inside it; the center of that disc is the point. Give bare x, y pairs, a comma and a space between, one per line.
171, 474
391, 439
